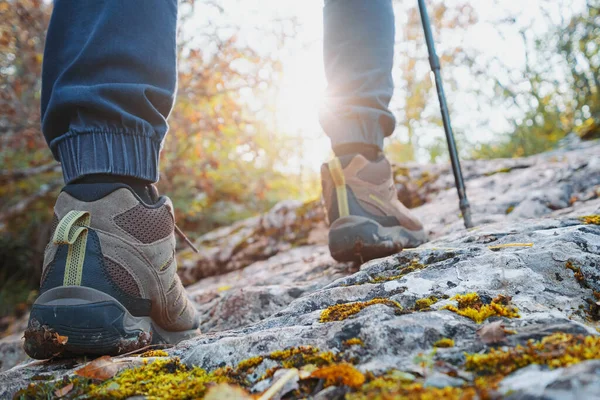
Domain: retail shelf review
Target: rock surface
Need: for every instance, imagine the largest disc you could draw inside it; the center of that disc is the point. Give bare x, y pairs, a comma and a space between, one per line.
530, 250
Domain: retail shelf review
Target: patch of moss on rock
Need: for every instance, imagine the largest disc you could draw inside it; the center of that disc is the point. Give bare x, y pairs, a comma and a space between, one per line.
340, 312
353, 342
413, 265
154, 353
555, 351
250, 363
424, 304
590, 219
444, 343
471, 306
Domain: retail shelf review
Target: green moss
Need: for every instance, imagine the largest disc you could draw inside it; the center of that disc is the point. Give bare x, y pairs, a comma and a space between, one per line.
47, 390
471, 306
399, 385
168, 379
413, 265
499, 171
424, 304
591, 219
444, 342
340, 312
250, 363
555, 351
297, 357
155, 353
354, 342
510, 209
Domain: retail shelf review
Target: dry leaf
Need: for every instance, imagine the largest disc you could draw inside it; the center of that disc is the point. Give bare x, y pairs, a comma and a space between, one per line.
61, 339
226, 391
102, 368
494, 332
64, 390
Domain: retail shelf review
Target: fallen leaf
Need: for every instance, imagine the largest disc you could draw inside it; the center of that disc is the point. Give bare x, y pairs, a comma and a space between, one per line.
494, 332
61, 339
64, 390
102, 368
226, 391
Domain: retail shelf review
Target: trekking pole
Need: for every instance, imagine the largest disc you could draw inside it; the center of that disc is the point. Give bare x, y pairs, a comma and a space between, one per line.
434, 62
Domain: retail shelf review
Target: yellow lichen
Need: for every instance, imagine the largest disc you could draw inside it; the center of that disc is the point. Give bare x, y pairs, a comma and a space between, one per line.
354, 341
344, 374
423, 304
471, 306
413, 265
155, 353
444, 342
591, 219
340, 312
510, 209
297, 357
249, 363
165, 379
556, 350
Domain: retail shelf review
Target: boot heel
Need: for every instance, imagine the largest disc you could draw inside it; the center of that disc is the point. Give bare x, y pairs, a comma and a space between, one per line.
70, 321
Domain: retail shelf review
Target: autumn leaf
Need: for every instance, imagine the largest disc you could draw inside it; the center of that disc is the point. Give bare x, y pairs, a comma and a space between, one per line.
101, 369
61, 339
494, 332
226, 391
64, 390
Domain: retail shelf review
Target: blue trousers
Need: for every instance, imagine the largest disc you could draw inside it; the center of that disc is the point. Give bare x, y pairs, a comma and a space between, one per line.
109, 79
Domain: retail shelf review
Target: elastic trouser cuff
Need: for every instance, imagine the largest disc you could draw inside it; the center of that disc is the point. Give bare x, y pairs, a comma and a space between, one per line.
355, 130
114, 153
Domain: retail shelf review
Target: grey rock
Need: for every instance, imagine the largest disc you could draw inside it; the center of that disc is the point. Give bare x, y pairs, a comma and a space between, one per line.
255, 308
440, 381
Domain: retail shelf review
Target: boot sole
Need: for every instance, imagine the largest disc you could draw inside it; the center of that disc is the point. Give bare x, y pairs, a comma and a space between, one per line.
72, 321
360, 239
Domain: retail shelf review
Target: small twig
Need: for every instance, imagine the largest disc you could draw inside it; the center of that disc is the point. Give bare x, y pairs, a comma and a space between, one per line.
502, 246
142, 349
277, 386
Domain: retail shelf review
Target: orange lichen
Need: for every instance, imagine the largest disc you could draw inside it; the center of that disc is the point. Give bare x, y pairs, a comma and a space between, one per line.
340, 312
340, 374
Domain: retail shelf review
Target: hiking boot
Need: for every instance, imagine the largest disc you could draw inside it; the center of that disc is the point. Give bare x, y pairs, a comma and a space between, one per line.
366, 218
109, 283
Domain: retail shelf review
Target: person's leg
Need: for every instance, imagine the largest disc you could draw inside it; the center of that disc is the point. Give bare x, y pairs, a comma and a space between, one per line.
366, 219
109, 280
108, 84
358, 52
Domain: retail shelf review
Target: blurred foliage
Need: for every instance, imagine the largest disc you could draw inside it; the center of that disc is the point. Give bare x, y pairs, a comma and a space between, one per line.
559, 91
418, 107
222, 160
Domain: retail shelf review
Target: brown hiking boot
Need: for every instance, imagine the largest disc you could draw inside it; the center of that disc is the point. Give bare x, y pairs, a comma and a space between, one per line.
109, 282
366, 218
